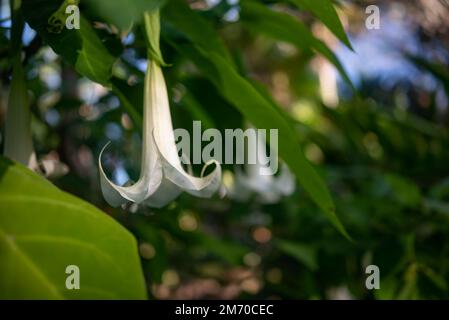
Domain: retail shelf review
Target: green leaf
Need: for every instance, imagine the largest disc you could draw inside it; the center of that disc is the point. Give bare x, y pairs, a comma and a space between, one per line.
325, 11
43, 230
303, 253
197, 29
123, 13
260, 112
197, 111
438, 70
81, 48
435, 278
281, 26
404, 190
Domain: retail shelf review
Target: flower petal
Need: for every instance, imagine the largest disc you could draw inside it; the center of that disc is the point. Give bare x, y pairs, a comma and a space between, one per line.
18, 138
52, 168
164, 138
285, 182
166, 193
149, 180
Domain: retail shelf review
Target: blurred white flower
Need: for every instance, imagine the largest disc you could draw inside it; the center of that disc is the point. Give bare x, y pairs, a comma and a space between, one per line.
268, 188
18, 138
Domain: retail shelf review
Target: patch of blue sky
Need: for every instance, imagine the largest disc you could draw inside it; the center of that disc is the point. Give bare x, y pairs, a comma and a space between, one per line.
379, 54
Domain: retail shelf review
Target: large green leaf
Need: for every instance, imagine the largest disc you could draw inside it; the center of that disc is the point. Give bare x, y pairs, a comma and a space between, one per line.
325, 11
81, 48
261, 112
43, 230
123, 13
281, 26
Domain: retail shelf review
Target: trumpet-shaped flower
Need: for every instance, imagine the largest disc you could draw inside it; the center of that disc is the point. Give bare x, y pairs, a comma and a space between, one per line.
18, 137
268, 188
162, 176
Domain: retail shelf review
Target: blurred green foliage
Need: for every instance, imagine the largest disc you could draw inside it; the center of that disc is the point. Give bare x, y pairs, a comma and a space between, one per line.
385, 165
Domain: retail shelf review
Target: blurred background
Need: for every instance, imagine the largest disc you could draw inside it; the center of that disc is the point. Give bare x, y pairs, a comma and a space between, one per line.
382, 148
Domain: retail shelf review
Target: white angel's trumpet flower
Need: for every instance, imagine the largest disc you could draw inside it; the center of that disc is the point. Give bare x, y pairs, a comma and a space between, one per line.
162, 177
268, 188
18, 137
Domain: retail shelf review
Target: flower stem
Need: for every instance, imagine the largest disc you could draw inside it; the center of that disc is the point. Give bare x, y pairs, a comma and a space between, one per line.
153, 31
